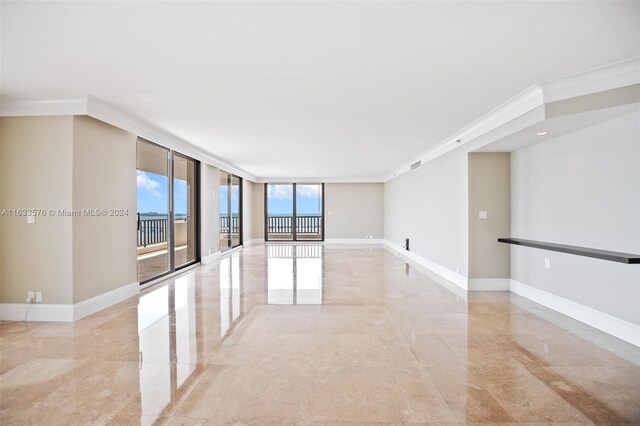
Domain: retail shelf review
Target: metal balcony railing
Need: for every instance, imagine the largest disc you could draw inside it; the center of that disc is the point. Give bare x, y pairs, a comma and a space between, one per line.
152, 231
308, 225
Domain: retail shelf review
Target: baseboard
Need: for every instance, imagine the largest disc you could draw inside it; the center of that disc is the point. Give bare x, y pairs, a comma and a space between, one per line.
604, 322
67, 312
354, 241
489, 284
209, 258
37, 312
252, 242
459, 280
102, 301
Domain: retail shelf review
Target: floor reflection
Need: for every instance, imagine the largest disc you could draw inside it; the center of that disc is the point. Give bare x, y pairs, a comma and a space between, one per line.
368, 338
294, 274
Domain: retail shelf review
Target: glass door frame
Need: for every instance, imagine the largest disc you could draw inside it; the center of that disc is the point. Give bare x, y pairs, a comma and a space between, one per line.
230, 177
170, 213
196, 209
294, 236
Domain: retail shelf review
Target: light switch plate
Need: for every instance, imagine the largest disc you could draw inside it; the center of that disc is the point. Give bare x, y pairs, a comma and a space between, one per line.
482, 215
547, 263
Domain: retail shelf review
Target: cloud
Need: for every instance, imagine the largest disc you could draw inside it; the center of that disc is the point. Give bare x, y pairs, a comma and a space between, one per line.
284, 192
281, 192
145, 183
311, 191
181, 185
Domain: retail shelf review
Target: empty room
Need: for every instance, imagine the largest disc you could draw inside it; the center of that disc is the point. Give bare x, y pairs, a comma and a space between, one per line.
319, 212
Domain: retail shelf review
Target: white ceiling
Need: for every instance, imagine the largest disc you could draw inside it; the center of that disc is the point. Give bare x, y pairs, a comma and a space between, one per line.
306, 89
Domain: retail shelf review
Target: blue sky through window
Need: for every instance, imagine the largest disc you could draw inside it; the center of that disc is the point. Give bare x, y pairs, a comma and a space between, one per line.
308, 200
224, 201
153, 194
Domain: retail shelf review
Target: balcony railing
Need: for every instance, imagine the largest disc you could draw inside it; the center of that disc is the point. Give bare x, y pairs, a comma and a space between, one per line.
226, 221
155, 231
152, 231
308, 225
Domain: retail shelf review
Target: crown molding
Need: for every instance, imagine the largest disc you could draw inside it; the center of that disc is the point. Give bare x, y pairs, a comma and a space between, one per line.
27, 107
105, 112
515, 107
371, 179
600, 79
620, 74
613, 76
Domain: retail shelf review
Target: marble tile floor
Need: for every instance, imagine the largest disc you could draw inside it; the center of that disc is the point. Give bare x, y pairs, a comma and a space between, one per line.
313, 334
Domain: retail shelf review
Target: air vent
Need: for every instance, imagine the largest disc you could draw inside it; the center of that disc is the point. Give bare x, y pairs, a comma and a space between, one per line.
416, 165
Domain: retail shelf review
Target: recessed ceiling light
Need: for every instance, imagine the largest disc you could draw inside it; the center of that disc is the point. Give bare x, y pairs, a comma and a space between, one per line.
542, 133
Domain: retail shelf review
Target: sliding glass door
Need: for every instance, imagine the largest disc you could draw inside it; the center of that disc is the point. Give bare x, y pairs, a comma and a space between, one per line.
153, 210
230, 211
279, 212
167, 225
185, 209
294, 212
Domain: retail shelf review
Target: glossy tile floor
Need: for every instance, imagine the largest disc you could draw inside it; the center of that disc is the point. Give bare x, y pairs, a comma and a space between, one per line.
312, 334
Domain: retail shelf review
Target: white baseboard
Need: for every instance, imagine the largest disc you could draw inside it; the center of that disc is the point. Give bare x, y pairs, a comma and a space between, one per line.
489, 284
604, 322
354, 241
455, 278
209, 258
253, 242
37, 312
67, 312
102, 301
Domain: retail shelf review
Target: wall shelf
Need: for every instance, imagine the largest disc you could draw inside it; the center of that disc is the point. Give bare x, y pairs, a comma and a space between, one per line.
613, 256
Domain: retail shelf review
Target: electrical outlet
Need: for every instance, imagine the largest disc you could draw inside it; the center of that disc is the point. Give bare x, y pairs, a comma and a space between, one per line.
31, 297
547, 263
38, 297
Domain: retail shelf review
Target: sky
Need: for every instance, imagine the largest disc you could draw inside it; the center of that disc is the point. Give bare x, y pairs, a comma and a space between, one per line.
280, 199
152, 197
153, 194
224, 202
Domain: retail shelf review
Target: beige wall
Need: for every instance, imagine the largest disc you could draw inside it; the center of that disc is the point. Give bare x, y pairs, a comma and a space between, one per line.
209, 209
257, 213
489, 190
354, 210
37, 154
247, 209
104, 177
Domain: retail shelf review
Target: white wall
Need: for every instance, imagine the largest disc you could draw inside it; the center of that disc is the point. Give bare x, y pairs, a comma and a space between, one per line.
581, 189
354, 210
429, 206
